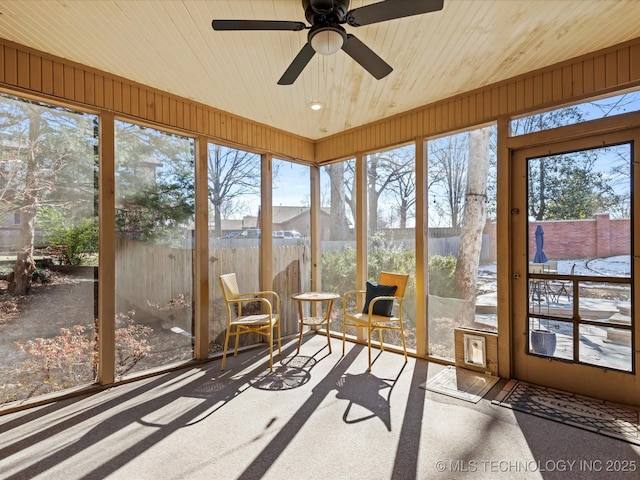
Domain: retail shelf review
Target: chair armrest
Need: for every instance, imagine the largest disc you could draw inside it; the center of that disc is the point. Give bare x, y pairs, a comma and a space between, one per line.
394, 299
262, 296
348, 294
263, 301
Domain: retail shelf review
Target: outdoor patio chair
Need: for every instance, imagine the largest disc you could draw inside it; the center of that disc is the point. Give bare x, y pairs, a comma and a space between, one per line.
261, 323
538, 288
559, 287
382, 309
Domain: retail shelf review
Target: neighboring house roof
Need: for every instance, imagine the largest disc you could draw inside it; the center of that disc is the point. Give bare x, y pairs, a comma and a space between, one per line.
281, 215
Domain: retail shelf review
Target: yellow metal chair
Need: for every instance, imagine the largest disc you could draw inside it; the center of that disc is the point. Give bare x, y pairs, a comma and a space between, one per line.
382, 309
261, 323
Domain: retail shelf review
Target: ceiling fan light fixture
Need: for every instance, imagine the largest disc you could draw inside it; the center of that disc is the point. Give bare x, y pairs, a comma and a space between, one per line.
327, 41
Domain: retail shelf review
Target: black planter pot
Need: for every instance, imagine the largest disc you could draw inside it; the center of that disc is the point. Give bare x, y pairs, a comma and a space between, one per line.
543, 342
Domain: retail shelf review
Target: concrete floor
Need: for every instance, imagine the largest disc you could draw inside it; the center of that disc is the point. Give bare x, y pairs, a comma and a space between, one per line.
317, 416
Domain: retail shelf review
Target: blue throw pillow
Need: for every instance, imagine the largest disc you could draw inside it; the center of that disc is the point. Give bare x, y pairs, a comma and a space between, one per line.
382, 307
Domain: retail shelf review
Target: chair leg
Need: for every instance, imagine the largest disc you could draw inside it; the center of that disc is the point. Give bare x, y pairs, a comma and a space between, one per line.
279, 339
344, 332
226, 345
404, 346
235, 351
270, 338
369, 345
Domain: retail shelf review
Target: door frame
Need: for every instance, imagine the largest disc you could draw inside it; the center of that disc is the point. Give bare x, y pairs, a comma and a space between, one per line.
613, 385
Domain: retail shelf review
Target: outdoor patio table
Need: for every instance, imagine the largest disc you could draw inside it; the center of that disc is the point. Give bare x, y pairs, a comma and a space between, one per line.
315, 321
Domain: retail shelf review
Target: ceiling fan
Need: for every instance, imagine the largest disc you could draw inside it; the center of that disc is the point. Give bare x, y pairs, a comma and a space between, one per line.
326, 34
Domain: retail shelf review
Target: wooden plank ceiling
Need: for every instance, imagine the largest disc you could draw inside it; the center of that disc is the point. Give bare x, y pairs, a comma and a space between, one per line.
170, 45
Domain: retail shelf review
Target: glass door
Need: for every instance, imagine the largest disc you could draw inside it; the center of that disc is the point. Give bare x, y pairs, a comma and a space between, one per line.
573, 250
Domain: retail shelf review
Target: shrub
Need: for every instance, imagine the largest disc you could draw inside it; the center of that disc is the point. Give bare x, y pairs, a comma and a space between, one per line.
442, 271
71, 240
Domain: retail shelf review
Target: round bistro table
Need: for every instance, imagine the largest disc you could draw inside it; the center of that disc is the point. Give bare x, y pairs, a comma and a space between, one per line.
315, 321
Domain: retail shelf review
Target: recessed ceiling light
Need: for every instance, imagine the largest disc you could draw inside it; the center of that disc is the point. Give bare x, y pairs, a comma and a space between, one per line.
315, 106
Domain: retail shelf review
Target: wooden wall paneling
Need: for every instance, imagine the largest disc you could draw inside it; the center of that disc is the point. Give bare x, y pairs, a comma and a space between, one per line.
486, 104
47, 76
166, 111
386, 129
158, 103
464, 112
134, 94
69, 89
256, 137
450, 115
78, 85
599, 77
457, 109
611, 69
419, 123
186, 114
577, 77
471, 108
623, 65
218, 127
504, 98
58, 79
495, 101
588, 76
528, 95
89, 88
634, 63
23, 69
236, 135
511, 96
567, 81
180, 114
557, 85
35, 72
10, 65
438, 117
172, 111
429, 120
99, 90
479, 106
3, 65
117, 95
108, 93
126, 99
193, 120
547, 87
536, 88
142, 103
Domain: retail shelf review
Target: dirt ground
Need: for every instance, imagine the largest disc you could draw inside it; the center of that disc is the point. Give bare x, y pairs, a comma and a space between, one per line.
63, 302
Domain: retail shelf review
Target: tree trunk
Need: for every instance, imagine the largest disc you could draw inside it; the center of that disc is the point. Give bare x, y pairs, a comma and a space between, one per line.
339, 227
474, 216
372, 193
20, 280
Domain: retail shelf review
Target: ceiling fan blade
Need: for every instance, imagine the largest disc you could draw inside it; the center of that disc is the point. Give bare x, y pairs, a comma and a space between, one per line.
298, 64
257, 25
391, 9
366, 57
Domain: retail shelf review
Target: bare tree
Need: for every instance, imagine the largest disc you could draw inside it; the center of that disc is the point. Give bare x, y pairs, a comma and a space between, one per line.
233, 174
448, 169
402, 188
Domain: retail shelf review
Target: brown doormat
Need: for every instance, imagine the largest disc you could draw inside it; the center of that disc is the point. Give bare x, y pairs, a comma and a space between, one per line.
607, 418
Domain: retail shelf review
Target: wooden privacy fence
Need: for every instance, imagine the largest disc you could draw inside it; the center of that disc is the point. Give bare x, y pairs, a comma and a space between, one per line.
150, 277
